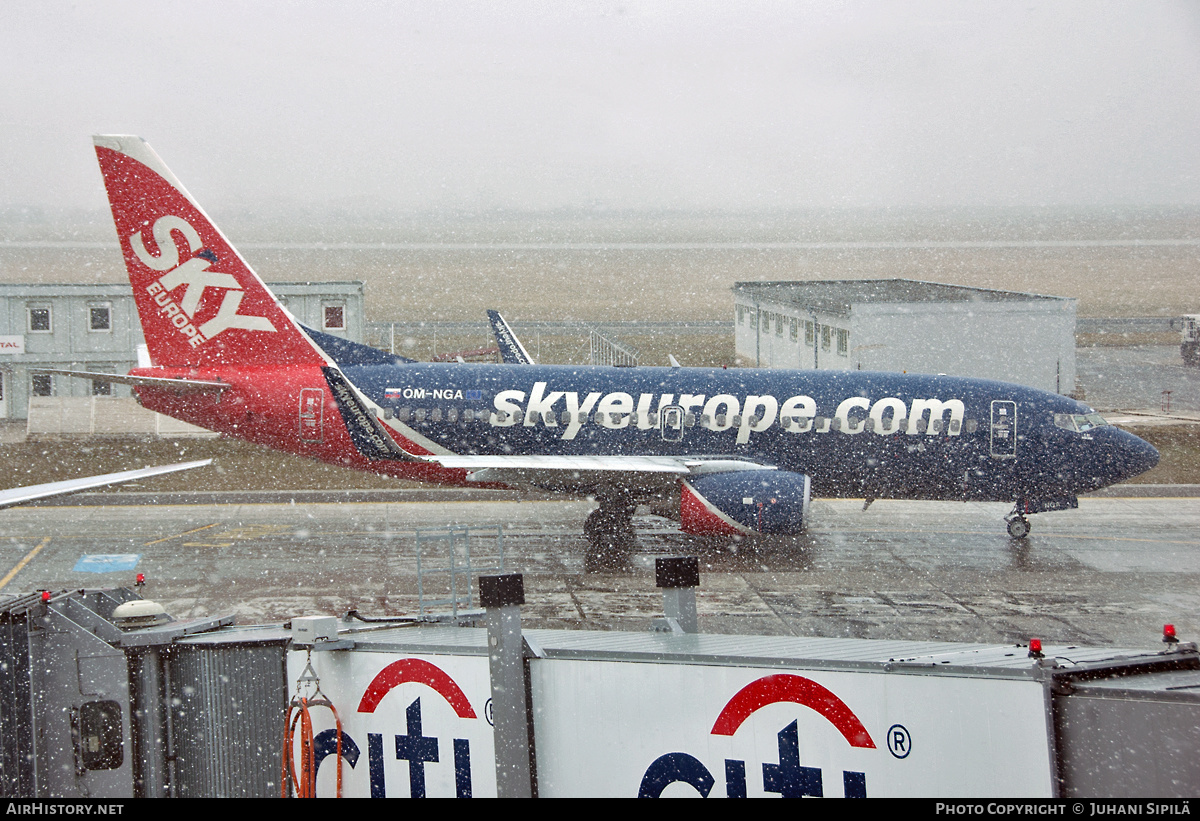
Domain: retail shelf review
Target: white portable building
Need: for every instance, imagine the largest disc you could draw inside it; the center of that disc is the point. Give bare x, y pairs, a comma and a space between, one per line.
904, 325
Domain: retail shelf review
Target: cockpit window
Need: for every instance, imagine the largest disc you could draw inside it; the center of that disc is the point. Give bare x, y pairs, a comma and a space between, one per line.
1079, 422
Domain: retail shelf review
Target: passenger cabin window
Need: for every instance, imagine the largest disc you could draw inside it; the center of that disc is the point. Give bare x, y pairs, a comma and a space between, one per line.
39, 319
335, 318
99, 318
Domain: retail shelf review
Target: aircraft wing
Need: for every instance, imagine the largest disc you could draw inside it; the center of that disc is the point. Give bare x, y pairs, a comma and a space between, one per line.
165, 383
554, 468
511, 349
22, 495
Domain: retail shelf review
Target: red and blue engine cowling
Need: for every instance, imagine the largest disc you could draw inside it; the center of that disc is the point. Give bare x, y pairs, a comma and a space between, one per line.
745, 503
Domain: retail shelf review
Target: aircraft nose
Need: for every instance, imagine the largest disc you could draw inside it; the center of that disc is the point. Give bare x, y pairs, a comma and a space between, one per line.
1132, 456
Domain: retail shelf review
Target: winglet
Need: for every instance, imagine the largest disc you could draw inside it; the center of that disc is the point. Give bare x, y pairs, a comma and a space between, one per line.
511, 349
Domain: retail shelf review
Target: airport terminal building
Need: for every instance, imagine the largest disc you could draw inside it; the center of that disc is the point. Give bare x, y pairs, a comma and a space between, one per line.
908, 326
95, 328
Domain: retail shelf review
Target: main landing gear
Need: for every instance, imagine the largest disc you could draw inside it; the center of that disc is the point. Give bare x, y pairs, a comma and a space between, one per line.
610, 535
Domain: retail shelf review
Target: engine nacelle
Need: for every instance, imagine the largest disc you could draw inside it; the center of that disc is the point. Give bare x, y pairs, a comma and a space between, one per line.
744, 503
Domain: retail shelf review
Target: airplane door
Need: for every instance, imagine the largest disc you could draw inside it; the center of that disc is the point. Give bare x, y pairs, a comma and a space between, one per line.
1004, 430
672, 423
312, 414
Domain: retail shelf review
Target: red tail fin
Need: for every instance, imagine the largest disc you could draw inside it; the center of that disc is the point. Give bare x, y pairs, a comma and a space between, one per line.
200, 304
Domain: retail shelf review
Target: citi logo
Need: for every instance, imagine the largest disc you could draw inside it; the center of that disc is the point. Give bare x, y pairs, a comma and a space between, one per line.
195, 278
413, 746
787, 778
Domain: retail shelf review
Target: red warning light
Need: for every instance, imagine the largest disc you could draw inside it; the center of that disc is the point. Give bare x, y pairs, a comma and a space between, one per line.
1169, 634
1035, 648
141, 579
45, 595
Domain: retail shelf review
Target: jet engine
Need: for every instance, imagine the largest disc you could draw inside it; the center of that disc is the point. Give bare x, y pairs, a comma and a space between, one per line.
745, 503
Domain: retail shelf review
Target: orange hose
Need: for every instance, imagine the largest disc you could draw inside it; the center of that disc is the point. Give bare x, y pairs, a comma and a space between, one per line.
304, 784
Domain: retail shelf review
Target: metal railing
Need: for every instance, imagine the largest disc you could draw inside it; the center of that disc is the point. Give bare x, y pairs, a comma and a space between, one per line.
607, 351
457, 553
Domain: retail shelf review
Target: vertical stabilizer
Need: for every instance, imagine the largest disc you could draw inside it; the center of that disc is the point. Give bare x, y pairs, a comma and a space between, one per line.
200, 304
511, 349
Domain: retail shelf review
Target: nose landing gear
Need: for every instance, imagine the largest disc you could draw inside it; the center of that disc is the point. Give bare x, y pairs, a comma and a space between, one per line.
1018, 526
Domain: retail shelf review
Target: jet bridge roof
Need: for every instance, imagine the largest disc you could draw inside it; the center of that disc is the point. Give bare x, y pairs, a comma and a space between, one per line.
862, 655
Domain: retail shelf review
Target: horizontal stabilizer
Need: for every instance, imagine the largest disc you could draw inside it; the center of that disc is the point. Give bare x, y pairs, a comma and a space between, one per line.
347, 352
180, 386
24, 495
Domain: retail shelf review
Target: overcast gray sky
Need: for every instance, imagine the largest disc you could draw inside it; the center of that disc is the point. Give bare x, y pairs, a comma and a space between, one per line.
644, 105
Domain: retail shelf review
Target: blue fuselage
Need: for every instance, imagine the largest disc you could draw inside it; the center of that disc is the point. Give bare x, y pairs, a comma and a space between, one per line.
856, 434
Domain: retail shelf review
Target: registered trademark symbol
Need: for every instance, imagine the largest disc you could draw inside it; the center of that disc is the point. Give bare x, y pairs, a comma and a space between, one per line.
899, 741
487, 712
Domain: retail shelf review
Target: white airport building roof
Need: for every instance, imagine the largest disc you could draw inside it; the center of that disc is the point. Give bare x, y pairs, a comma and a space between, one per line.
908, 326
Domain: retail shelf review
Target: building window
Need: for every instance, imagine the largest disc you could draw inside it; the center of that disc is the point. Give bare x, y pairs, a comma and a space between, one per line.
843, 343
41, 384
99, 318
826, 337
39, 319
335, 318
754, 319
779, 324
795, 333
741, 314
808, 333
101, 388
